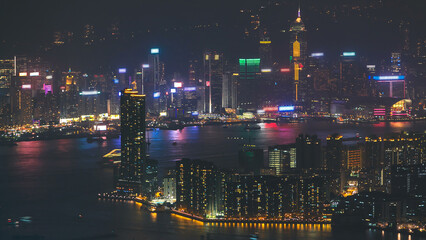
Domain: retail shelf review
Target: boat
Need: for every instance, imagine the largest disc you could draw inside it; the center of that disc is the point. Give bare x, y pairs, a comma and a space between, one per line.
253, 236
93, 138
252, 127
26, 219
172, 126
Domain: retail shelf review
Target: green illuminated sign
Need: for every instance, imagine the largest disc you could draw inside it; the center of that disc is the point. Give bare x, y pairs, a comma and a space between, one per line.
249, 67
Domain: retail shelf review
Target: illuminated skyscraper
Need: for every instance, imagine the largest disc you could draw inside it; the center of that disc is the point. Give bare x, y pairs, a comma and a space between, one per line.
249, 83
213, 74
352, 76
229, 90
133, 145
265, 52
156, 84
25, 104
198, 188
298, 50
7, 70
69, 94
282, 157
396, 63
354, 157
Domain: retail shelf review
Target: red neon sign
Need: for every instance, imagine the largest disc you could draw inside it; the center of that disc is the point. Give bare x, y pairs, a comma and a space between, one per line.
270, 109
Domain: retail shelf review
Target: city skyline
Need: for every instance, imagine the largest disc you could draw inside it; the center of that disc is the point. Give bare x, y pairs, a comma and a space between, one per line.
258, 119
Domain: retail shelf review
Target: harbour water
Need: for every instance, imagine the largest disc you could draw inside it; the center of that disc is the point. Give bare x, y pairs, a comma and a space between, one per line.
53, 181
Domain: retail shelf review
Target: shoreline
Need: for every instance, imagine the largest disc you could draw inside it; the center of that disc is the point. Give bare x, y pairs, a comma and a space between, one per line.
224, 220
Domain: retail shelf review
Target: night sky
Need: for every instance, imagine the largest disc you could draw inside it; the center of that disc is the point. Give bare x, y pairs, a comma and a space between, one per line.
27, 28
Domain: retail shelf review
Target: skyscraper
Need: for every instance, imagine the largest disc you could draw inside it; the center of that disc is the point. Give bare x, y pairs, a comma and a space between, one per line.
282, 157
334, 152
352, 76
354, 157
298, 50
198, 188
213, 74
250, 159
308, 152
155, 82
396, 67
265, 52
229, 90
7, 70
248, 94
133, 145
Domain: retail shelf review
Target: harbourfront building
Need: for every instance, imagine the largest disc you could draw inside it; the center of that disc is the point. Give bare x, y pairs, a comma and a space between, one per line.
198, 188
131, 177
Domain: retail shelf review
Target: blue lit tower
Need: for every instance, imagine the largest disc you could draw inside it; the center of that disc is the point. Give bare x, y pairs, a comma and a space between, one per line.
298, 51
156, 82
133, 145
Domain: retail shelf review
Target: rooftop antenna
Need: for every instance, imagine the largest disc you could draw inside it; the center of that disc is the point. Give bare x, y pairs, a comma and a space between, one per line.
298, 11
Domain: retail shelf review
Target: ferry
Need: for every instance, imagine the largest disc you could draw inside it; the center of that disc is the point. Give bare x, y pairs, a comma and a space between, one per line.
252, 127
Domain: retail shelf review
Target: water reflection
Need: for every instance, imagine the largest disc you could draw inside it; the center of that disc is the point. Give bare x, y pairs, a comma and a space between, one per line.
54, 180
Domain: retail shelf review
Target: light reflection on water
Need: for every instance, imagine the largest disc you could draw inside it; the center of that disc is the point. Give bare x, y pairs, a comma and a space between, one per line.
54, 180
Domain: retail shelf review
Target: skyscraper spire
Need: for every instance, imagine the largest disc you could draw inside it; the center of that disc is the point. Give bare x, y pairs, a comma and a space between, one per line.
298, 11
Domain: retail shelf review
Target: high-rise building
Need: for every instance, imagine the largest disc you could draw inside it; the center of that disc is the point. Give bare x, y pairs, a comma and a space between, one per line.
250, 159
169, 185
298, 51
334, 153
7, 70
249, 83
156, 87
265, 52
408, 179
213, 74
354, 157
373, 152
194, 73
352, 76
395, 67
229, 90
319, 77
46, 108
92, 102
259, 196
69, 94
133, 146
198, 189
308, 152
282, 158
